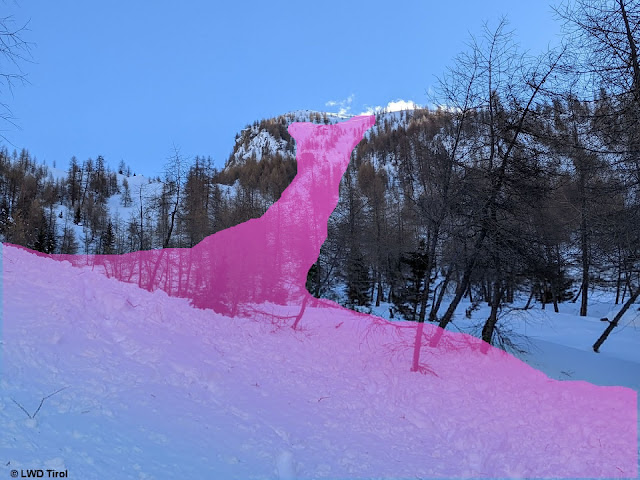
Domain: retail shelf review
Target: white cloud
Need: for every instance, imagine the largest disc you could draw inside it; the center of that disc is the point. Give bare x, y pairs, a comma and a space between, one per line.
392, 106
371, 110
400, 105
344, 105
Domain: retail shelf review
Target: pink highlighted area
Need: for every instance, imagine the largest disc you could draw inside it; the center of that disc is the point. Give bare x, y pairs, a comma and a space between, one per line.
262, 260
193, 393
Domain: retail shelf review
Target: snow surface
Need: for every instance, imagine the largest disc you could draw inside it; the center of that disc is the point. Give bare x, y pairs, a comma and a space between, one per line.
154, 388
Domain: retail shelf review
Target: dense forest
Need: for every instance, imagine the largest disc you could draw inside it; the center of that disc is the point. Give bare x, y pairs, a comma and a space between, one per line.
522, 186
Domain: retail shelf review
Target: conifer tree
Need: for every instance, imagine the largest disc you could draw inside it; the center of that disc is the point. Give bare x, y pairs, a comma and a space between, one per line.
108, 240
126, 193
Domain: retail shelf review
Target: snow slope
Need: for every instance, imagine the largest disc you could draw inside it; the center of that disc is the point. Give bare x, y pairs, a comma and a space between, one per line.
153, 388
139, 185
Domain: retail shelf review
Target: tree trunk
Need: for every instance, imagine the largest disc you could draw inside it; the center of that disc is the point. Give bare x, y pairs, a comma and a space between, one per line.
490, 324
165, 244
141, 222
614, 323
425, 296
464, 283
575, 299
433, 314
584, 244
417, 344
303, 307
486, 292
533, 291
618, 282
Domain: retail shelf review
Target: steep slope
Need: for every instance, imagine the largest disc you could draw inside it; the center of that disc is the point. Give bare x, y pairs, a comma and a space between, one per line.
269, 137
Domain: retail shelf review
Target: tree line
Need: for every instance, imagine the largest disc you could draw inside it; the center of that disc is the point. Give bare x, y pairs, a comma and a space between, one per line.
76, 213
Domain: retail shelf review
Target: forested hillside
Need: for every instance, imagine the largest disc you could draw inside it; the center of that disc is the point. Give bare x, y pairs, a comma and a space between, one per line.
514, 190
409, 218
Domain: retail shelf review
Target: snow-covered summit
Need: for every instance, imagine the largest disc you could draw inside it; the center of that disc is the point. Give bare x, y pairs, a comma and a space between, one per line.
269, 137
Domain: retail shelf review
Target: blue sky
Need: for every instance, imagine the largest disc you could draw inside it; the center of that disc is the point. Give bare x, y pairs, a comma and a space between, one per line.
130, 79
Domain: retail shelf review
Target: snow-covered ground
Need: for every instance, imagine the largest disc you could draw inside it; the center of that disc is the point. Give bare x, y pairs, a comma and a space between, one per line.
144, 386
139, 186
